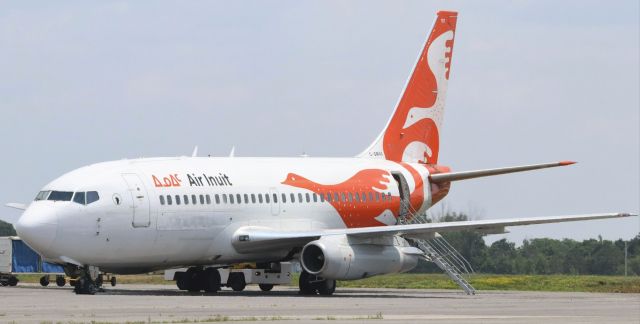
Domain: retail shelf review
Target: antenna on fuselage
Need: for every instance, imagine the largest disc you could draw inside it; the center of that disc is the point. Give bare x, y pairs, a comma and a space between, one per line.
195, 151
233, 151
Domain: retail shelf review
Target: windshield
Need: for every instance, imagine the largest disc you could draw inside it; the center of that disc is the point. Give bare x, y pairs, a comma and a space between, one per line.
60, 195
42, 195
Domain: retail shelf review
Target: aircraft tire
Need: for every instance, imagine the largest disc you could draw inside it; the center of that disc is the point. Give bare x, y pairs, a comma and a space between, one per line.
84, 286
12, 281
44, 281
265, 287
210, 280
114, 281
304, 283
61, 281
193, 280
327, 287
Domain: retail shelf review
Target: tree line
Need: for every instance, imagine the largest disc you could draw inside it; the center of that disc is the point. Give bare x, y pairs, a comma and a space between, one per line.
540, 256
6, 229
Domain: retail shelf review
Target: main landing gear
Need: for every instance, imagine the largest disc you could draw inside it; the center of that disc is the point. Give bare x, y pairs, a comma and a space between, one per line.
198, 279
311, 284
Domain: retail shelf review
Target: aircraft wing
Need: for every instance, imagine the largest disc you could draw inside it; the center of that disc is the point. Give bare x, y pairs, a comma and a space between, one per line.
252, 239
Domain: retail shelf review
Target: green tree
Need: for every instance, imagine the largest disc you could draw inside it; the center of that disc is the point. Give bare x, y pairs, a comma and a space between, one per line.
6, 229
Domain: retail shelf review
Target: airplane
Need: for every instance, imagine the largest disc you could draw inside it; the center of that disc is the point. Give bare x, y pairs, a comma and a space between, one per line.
341, 218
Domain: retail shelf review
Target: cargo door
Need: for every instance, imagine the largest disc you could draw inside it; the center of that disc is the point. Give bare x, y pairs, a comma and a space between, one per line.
140, 211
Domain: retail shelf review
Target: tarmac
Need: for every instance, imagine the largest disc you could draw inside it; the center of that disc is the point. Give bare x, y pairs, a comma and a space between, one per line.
30, 303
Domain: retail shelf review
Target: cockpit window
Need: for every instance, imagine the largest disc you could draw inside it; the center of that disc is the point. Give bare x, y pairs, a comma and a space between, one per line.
60, 195
92, 196
42, 195
85, 198
79, 197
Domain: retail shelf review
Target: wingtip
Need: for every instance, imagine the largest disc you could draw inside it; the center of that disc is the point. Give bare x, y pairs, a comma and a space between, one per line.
563, 163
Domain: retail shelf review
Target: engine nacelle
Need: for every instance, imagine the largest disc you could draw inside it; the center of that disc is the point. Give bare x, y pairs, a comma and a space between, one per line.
334, 258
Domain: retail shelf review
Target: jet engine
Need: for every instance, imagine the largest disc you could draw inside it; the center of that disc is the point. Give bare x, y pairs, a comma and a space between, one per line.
336, 258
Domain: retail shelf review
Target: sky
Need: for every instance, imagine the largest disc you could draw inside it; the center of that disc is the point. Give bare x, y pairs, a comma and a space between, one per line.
531, 82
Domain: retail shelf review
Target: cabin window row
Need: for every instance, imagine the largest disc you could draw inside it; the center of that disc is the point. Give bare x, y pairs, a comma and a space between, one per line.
267, 198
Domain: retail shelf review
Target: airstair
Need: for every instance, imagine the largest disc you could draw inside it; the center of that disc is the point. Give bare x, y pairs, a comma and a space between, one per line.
439, 251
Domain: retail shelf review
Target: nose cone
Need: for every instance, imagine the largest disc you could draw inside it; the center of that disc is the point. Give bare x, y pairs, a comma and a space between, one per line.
37, 227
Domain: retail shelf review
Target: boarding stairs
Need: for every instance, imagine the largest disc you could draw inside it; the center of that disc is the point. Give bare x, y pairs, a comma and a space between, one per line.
440, 252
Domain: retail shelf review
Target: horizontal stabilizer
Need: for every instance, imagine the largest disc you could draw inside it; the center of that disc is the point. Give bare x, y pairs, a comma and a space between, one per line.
464, 175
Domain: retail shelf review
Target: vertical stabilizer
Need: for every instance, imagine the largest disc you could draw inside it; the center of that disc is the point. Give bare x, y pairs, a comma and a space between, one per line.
413, 132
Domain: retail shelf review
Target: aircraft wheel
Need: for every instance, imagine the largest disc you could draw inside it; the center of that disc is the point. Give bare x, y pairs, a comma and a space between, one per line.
113, 281
305, 285
44, 281
4, 283
236, 281
327, 287
13, 281
265, 287
192, 279
210, 280
181, 281
84, 286
61, 281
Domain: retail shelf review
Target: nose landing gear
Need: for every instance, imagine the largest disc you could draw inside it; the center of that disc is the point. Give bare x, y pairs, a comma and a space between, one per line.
89, 281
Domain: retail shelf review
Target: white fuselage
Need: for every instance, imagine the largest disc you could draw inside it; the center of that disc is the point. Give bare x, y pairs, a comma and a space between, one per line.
138, 225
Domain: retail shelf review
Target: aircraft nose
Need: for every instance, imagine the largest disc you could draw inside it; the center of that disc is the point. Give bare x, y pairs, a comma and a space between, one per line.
37, 227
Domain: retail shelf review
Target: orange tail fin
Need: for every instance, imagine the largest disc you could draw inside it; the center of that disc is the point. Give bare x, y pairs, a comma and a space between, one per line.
412, 134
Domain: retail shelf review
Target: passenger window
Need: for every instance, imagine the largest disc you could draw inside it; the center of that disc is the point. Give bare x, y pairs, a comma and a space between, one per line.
307, 196
231, 199
377, 196
357, 197
322, 197
208, 198
260, 198
344, 197
266, 198
217, 197
224, 198
201, 199
370, 196
253, 198
364, 197
329, 197
350, 197
194, 200
239, 198
92, 196
79, 198
293, 197
284, 198
177, 200
315, 198
169, 202
336, 197
161, 200
300, 197
246, 198
275, 198
388, 196
186, 199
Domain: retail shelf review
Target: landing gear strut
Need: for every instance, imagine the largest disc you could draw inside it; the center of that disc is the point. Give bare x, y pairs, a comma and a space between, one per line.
197, 279
311, 284
85, 283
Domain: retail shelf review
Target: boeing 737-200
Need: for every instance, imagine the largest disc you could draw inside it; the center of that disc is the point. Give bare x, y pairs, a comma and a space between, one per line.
341, 218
